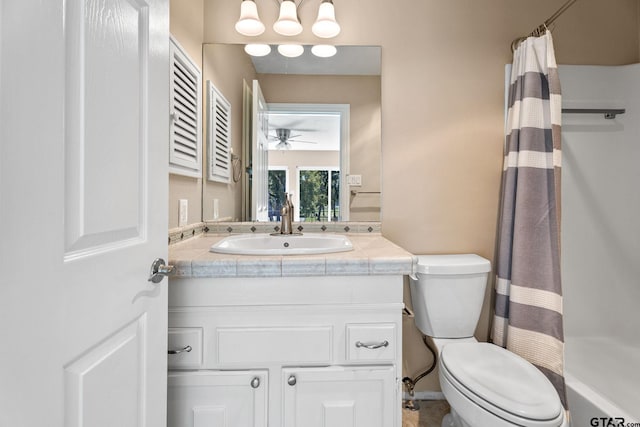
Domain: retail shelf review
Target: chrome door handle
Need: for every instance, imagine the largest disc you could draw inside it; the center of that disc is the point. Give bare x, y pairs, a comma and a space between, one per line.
372, 346
255, 382
159, 270
292, 380
185, 349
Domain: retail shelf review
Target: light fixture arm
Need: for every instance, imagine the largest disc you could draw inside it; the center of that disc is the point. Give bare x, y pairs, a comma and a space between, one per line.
278, 2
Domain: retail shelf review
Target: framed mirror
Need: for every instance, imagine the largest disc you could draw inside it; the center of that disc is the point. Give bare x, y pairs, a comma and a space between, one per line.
321, 134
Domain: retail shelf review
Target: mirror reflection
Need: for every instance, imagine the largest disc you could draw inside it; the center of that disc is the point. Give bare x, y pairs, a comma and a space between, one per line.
306, 126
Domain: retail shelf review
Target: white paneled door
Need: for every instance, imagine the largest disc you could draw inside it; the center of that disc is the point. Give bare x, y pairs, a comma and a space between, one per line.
83, 212
260, 156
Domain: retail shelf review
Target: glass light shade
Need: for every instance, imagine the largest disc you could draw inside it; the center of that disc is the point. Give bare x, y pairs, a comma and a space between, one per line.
256, 49
324, 50
249, 23
326, 25
291, 50
288, 23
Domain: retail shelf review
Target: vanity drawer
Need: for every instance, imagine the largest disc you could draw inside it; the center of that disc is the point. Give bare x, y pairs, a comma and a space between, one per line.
184, 348
263, 345
371, 342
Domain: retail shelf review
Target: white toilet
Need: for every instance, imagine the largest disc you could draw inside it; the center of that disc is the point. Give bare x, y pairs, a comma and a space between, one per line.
485, 385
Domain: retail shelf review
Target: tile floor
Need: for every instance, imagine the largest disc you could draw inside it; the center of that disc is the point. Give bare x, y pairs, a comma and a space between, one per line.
429, 415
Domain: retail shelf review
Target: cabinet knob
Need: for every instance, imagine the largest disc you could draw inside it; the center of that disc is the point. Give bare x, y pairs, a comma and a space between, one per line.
255, 382
292, 380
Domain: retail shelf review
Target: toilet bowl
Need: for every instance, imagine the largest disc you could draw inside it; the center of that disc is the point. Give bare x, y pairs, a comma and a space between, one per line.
485, 385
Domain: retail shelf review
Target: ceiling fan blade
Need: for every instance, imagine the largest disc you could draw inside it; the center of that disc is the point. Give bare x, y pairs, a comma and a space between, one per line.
303, 130
301, 141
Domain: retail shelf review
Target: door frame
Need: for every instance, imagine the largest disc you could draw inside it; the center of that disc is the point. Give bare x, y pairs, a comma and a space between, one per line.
287, 183
344, 111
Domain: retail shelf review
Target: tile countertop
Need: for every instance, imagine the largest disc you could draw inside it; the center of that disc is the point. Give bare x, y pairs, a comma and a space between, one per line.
372, 254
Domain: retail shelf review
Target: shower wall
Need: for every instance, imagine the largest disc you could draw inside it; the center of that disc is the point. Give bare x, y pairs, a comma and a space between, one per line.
601, 203
601, 243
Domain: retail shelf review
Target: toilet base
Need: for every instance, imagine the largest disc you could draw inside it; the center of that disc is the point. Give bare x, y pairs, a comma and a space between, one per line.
452, 419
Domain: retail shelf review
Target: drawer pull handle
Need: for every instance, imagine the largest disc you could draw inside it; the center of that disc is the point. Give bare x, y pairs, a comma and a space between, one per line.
292, 380
255, 382
185, 349
384, 343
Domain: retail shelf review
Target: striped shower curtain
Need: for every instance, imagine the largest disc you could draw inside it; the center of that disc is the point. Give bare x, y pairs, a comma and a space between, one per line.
528, 304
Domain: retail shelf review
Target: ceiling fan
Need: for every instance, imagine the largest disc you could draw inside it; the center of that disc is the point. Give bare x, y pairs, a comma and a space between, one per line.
284, 138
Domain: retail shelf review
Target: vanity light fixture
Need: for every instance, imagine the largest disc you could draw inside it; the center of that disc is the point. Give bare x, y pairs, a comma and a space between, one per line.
291, 50
324, 50
257, 49
249, 23
326, 25
288, 23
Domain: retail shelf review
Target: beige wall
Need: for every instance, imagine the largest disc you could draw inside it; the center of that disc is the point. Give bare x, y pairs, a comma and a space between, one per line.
442, 105
227, 66
362, 93
187, 27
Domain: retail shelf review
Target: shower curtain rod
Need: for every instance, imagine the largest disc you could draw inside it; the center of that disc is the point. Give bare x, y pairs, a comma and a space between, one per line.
542, 28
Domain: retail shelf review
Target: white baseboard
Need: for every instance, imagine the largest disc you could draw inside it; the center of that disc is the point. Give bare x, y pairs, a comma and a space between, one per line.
424, 395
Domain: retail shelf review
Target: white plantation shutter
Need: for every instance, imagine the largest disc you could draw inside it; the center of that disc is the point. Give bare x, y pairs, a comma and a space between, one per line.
185, 147
218, 135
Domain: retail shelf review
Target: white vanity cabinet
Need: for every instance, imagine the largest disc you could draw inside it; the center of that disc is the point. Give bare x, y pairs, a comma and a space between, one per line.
339, 396
285, 351
217, 398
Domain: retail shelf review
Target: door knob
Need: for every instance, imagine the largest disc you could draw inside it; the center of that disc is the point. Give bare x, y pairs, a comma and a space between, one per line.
292, 380
159, 270
255, 382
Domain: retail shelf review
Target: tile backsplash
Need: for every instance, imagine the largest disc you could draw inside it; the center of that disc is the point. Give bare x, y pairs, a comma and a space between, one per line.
180, 234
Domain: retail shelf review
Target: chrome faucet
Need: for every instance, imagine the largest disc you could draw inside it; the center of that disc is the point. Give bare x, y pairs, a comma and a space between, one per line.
286, 212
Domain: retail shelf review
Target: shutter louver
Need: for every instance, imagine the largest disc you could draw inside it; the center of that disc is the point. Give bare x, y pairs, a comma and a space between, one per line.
185, 155
219, 135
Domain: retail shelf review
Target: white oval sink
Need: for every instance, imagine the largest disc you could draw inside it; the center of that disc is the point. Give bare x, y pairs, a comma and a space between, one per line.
285, 244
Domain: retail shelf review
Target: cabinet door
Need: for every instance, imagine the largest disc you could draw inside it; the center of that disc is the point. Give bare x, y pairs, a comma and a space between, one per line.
217, 399
339, 397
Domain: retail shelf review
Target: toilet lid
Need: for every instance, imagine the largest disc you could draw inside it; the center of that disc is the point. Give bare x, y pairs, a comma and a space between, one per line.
502, 379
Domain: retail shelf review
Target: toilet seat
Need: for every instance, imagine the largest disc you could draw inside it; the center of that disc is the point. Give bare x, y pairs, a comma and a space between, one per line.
501, 383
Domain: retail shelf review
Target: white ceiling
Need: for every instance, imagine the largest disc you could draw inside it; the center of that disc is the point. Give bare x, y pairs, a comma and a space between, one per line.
320, 130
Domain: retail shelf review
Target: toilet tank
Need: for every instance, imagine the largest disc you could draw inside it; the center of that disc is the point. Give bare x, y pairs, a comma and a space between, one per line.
447, 294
